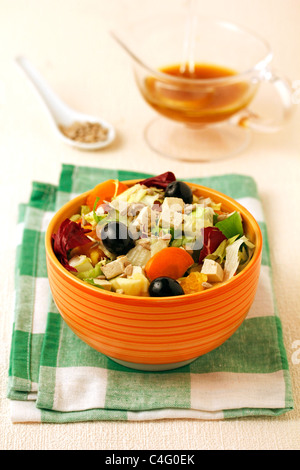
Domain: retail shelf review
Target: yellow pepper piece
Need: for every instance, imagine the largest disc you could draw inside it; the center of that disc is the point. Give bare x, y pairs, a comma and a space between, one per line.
193, 282
94, 255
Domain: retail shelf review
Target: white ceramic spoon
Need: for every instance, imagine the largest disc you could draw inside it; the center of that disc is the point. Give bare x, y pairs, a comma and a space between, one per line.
60, 113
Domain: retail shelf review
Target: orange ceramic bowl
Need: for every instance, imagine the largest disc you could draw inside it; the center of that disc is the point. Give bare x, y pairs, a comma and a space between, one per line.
153, 333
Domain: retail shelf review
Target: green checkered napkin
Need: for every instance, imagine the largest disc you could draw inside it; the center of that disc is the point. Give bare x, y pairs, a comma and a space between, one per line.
55, 377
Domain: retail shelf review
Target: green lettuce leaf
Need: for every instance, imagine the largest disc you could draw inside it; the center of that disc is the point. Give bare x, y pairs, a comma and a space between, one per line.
231, 226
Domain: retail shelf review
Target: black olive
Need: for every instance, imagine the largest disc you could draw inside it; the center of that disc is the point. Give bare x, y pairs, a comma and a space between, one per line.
179, 189
116, 238
164, 287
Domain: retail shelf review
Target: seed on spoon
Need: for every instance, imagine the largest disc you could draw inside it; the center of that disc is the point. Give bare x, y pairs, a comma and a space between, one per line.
85, 132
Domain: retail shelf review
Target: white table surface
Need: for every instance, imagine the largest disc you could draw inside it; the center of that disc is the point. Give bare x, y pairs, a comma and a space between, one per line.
69, 42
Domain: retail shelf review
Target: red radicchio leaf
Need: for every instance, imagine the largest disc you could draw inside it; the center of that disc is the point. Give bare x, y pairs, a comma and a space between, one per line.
68, 236
212, 238
160, 181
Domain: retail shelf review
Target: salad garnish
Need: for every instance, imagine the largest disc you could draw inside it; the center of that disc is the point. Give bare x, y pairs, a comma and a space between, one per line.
212, 238
69, 235
159, 237
160, 181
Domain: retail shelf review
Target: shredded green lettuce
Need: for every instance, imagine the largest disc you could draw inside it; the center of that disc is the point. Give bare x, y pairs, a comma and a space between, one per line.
95, 216
233, 258
92, 273
245, 255
187, 242
220, 253
215, 219
84, 210
133, 194
232, 239
216, 206
75, 217
201, 217
149, 199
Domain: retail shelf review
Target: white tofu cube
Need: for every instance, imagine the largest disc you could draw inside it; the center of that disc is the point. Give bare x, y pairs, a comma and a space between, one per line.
175, 204
213, 270
172, 212
114, 268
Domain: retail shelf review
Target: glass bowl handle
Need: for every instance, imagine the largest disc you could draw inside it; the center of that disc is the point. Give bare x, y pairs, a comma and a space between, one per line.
285, 91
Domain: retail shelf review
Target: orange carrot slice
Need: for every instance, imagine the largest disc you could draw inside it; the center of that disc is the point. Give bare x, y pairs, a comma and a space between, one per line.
105, 192
170, 262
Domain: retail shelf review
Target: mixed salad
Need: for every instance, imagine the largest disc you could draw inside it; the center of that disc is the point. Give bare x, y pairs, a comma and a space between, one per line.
156, 238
